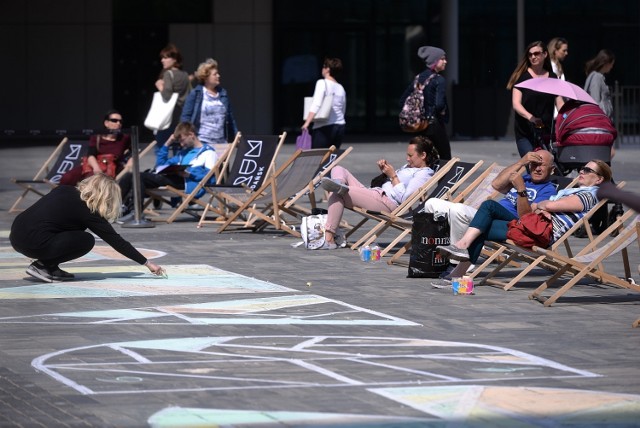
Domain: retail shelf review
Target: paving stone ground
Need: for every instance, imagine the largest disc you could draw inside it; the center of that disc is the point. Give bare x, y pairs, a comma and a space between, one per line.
297, 337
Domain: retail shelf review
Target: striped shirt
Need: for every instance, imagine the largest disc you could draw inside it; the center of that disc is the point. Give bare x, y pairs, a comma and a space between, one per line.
563, 221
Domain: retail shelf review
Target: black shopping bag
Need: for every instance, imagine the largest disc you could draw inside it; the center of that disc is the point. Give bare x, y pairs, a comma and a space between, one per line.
427, 233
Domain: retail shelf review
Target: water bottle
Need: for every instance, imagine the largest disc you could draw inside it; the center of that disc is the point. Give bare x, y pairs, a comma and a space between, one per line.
365, 253
375, 253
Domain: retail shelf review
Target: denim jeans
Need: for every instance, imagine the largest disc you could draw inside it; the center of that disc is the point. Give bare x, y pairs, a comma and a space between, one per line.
491, 219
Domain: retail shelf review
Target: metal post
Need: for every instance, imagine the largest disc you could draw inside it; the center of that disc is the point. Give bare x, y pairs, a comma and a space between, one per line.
137, 221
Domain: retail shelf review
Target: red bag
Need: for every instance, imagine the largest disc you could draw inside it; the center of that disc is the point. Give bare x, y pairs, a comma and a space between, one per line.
531, 229
107, 164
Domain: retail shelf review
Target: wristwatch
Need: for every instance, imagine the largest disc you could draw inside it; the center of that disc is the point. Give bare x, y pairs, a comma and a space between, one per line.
523, 193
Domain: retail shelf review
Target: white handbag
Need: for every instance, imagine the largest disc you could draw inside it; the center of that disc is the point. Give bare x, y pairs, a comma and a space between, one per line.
161, 112
325, 108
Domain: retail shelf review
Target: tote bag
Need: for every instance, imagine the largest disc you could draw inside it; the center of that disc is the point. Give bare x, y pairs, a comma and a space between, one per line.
325, 108
427, 232
160, 113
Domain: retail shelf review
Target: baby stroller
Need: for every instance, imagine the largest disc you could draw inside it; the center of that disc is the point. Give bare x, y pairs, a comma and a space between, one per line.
584, 132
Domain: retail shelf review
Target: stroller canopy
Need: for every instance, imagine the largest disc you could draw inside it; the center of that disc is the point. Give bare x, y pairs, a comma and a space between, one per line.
584, 124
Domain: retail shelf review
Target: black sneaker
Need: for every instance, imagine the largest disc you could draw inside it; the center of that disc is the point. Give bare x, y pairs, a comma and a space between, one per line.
61, 275
39, 271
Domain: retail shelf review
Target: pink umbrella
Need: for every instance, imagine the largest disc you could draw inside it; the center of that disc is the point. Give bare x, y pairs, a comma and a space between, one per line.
557, 87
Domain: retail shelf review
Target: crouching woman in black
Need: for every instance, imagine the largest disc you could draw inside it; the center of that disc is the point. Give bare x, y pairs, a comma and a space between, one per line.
53, 230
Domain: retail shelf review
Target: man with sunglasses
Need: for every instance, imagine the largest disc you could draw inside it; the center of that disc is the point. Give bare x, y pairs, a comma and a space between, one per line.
519, 191
197, 158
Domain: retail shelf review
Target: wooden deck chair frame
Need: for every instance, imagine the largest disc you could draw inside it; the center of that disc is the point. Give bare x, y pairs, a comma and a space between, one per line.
511, 252
142, 154
494, 252
396, 221
40, 179
589, 260
475, 193
164, 193
224, 199
267, 204
400, 209
334, 159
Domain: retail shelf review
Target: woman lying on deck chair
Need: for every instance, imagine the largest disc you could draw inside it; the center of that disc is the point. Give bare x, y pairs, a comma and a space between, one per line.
564, 210
397, 186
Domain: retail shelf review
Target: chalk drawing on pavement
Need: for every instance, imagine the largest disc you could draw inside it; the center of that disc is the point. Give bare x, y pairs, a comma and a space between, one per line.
462, 405
306, 309
194, 417
259, 362
135, 280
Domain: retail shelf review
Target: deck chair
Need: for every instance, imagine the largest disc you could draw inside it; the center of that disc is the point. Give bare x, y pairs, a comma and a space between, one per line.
493, 251
511, 252
441, 168
442, 185
267, 204
473, 194
66, 155
250, 164
586, 263
165, 193
142, 153
325, 170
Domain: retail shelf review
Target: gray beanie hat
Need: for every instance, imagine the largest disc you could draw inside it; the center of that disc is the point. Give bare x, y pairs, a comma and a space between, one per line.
430, 55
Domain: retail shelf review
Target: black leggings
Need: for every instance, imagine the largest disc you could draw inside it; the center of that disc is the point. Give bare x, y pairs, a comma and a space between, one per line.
63, 247
327, 136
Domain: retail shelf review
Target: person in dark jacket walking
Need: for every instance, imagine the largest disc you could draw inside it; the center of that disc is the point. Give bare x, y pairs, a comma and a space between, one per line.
53, 230
435, 98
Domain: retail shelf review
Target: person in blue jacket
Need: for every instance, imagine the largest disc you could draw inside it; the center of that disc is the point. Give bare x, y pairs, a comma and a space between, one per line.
208, 107
198, 159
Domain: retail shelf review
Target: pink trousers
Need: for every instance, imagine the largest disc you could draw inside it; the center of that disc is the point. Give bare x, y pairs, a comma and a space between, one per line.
358, 196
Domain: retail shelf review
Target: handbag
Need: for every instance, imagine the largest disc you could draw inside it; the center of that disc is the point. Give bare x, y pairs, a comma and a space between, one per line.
303, 141
325, 108
427, 232
161, 112
312, 232
107, 164
531, 229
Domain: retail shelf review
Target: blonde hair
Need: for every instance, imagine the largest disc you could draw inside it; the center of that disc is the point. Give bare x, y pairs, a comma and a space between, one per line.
204, 69
102, 195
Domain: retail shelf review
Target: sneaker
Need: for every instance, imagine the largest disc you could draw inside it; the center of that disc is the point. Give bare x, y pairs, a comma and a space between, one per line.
328, 246
331, 185
454, 252
61, 275
441, 283
39, 271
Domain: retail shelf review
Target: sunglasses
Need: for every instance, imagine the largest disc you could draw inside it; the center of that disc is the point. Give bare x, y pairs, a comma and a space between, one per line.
587, 170
536, 53
112, 120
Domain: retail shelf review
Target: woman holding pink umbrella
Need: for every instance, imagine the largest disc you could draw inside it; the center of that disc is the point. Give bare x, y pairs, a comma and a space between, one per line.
533, 110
